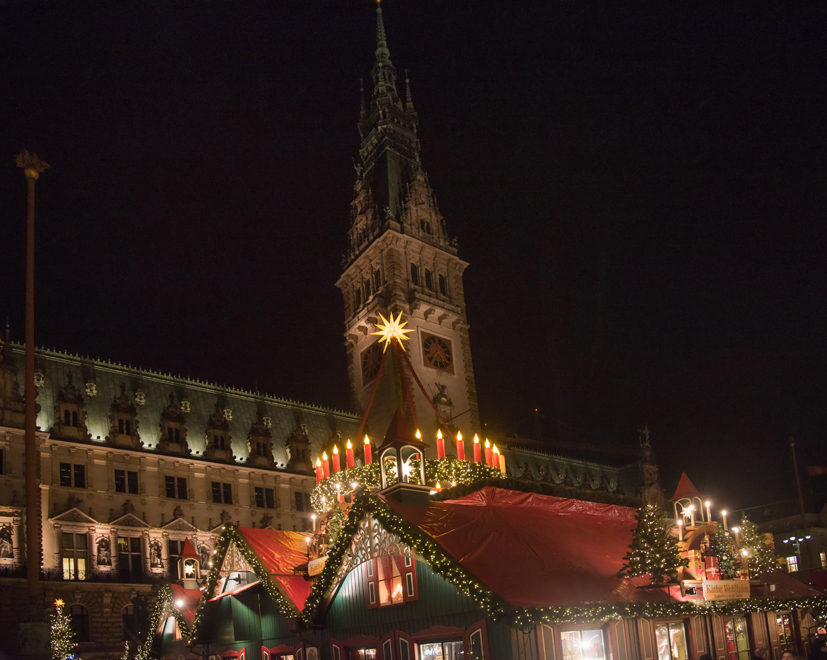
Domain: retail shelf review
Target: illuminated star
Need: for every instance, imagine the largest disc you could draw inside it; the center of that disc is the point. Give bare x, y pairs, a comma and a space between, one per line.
391, 330
59, 603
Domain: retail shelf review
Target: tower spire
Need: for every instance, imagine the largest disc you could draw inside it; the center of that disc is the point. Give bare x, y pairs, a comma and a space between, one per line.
384, 74
362, 107
408, 100
382, 52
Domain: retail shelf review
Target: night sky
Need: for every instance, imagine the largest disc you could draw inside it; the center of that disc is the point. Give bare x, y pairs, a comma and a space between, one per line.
640, 191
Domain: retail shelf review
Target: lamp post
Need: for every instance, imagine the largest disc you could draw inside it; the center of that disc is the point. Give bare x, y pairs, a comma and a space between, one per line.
796, 543
32, 167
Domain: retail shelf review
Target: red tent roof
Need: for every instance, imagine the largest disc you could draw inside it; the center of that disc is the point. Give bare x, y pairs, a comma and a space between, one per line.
535, 550
686, 489
281, 552
189, 551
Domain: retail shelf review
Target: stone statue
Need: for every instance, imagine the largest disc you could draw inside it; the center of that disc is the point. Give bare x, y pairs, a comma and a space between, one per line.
104, 552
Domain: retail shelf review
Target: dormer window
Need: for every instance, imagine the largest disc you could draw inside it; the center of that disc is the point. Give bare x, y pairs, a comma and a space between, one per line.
172, 435
70, 418
124, 426
218, 442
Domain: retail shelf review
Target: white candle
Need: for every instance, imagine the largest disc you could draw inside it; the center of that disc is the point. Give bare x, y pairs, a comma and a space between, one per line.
723, 514
314, 522
692, 514
708, 516
680, 529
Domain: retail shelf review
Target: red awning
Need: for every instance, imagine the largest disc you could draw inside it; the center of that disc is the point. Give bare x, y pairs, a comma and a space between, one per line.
536, 550
281, 552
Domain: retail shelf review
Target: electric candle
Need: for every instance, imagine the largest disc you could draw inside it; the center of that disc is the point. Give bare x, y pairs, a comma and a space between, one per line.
440, 445
349, 454
368, 455
723, 515
692, 514
477, 449
500, 460
325, 465
319, 474
708, 516
460, 447
487, 452
680, 529
336, 466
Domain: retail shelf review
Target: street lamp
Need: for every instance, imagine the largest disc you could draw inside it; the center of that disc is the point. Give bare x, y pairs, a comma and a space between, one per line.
796, 543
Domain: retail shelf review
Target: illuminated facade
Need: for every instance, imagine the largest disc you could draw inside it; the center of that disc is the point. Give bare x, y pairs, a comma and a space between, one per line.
400, 258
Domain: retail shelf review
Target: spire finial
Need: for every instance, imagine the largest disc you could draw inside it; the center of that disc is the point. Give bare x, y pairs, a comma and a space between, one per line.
382, 52
362, 107
408, 99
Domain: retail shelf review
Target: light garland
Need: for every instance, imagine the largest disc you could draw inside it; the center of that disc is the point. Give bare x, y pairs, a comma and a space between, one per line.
164, 597
653, 551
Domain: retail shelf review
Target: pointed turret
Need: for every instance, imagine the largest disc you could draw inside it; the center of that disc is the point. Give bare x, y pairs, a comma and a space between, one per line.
408, 99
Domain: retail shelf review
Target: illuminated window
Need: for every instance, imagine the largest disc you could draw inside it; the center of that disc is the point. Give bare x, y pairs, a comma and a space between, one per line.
737, 639
671, 640
583, 645
785, 629
361, 654
792, 564
415, 274
821, 555
390, 581
441, 651
75, 549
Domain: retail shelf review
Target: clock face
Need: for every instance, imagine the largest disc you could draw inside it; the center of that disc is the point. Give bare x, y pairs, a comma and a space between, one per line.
371, 359
437, 353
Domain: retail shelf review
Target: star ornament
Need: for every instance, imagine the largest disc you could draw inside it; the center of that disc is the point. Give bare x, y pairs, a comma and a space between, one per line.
393, 329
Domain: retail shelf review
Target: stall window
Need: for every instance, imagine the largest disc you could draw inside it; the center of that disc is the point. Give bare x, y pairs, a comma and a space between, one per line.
671, 639
737, 639
785, 630
583, 645
390, 581
792, 564
362, 654
441, 651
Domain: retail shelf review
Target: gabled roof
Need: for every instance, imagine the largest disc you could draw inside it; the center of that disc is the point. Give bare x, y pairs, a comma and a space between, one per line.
189, 551
560, 551
74, 515
685, 490
281, 553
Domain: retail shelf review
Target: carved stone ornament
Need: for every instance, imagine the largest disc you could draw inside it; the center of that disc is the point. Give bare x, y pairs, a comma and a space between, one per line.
155, 554
140, 398
267, 421
104, 552
91, 389
225, 517
39, 379
186, 407
228, 414
6, 542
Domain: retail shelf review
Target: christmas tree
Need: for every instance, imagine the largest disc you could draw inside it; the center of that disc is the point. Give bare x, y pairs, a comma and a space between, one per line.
63, 638
653, 551
722, 546
761, 558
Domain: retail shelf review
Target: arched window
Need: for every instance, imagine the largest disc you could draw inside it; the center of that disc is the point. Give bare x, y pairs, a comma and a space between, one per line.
442, 289
429, 280
415, 274
80, 623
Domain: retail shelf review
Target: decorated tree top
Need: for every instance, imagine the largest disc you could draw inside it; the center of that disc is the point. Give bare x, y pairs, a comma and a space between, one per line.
62, 637
654, 551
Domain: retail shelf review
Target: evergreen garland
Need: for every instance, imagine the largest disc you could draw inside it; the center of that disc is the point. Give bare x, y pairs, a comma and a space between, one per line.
653, 551
62, 635
722, 546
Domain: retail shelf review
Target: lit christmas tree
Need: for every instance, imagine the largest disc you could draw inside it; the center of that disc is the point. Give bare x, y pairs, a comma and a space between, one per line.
722, 546
63, 639
761, 558
653, 551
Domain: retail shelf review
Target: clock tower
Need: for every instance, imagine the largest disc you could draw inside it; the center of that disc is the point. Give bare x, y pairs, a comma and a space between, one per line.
400, 258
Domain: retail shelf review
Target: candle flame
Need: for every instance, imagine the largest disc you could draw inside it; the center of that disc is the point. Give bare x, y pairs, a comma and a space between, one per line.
487, 444
349, 446
367, 440
418, 435
476, 439
438, 487
324, 455
439, 435
496, 451
459, 436
335, 449
318, 462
